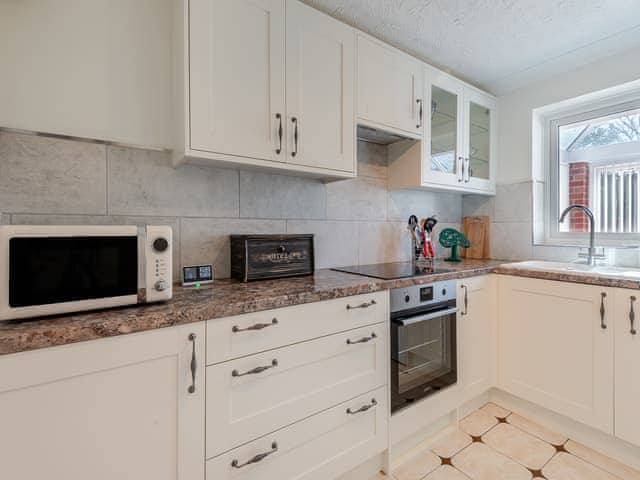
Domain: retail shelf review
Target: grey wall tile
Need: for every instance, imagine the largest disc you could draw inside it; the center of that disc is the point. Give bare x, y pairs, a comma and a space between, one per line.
335, 242
476, 205
206, 240
372, 160
383, 242
511, 241
5, 219
554, 254
46, 175
446, 206
513, 202
173, 222
143, 182
268, 195
361, 198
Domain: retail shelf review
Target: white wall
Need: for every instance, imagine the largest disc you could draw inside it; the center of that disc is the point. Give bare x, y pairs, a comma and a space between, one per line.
89, 68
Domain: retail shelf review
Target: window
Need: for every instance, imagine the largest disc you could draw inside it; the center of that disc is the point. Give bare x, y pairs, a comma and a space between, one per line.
594, 160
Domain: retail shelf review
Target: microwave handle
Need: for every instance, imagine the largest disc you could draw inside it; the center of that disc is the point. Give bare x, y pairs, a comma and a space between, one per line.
423, 318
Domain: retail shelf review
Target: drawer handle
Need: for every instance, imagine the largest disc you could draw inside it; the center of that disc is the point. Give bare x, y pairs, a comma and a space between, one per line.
632, 316
364, 408
254, 371
257, 326
362, 340
257, 458
193, 365
362, 305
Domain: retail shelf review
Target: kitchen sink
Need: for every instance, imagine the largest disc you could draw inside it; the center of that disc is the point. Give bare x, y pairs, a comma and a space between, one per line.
578, 268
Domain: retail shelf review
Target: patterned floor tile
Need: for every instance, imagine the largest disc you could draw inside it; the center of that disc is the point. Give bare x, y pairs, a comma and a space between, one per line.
525, 449
569, 467
606, 463
417, 467
478, 423
536, 430
480, 462
496, 410
446, 472
451, 444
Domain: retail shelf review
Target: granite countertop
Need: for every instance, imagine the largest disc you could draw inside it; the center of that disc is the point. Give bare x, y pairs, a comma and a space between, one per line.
222, 299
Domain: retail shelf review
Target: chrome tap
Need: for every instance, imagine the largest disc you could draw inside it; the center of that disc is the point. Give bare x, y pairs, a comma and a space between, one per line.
591, 255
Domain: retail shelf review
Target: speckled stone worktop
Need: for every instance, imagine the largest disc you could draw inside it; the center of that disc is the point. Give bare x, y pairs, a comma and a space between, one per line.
222, 299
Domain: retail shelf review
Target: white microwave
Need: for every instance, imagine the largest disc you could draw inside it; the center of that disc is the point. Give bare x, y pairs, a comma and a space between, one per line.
51, 270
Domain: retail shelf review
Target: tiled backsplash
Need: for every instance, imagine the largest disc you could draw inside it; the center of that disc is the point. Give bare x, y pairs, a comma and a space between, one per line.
54, 181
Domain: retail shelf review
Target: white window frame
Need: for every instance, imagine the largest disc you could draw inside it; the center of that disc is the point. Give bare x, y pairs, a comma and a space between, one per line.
549, 119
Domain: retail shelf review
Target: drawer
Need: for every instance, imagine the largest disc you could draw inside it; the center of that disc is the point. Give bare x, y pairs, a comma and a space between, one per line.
321, 447
242, 335
290, 384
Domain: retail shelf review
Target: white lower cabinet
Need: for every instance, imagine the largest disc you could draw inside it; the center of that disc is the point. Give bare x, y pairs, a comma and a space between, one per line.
627, 366
321, 447
556, 345
252, 396
117, 408
477, 320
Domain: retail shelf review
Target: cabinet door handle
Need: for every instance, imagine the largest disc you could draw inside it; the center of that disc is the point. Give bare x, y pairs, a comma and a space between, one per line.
461, 177
362, 340
295, 136
419, 101
280, 132
466, 300
632, 316
257, 326
364, 408
257, 458
194, 364
603, 324
467, 171
362, 305
254, 371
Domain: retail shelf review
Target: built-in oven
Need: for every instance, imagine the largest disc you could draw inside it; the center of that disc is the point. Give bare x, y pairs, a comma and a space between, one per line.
423, 341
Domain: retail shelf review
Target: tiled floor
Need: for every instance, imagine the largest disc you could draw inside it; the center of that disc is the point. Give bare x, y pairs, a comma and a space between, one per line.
495, 444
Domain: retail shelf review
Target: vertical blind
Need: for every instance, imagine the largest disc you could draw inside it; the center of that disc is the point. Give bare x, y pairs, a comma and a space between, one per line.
615, 197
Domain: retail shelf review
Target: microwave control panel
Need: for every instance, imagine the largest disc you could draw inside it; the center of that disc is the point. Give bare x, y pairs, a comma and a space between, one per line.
159, 263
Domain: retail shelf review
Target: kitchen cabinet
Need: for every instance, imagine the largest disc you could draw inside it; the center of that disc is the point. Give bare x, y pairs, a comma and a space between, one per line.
390, 88
120, 407
477, 320
556, 345
627, 362
268, 83
458, 148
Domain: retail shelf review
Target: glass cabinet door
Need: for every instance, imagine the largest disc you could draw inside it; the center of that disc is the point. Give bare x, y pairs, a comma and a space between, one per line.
479, 142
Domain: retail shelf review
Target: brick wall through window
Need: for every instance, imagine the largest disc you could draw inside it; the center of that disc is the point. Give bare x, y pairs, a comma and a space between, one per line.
579, 194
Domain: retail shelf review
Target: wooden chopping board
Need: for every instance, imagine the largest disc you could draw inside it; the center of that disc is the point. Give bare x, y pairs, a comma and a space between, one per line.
477, 230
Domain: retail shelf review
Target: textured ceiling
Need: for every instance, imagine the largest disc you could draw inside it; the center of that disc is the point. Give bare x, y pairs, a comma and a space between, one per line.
499, 45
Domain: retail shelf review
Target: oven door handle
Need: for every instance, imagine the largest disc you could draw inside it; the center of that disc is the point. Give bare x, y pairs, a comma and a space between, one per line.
423, 318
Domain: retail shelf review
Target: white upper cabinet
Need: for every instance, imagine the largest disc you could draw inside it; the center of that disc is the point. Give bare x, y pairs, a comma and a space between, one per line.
237, 77
480, 111
320, 89
271, 84
390, 88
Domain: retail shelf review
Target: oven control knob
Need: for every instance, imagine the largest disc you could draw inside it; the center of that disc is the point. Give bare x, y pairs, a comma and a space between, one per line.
407, 298
160, 286
160, 244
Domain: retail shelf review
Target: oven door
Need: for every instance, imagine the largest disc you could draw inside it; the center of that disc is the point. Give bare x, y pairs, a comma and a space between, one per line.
423, 353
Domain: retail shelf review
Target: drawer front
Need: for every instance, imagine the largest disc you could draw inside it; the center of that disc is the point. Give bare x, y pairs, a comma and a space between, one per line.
241, 335
290, 384
320, 447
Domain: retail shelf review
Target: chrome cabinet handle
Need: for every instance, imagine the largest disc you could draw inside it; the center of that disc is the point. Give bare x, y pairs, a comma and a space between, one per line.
257, 326
362, 340
419, 102
632, 316
280, 132
254, 371
603, 325
257, 458
364, 408
295, 136
468, 170
362, 305
466, 300
194, 364
461, 177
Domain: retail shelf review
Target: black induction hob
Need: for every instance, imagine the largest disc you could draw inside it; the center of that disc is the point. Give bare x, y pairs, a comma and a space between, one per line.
391, 271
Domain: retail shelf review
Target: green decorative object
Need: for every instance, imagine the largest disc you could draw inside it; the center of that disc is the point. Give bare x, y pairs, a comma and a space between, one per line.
452, 238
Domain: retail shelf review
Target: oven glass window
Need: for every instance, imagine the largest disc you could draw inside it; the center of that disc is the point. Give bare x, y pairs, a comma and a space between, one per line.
54, 270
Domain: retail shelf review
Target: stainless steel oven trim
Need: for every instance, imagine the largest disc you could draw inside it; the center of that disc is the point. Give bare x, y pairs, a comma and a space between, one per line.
423, 318
142, 264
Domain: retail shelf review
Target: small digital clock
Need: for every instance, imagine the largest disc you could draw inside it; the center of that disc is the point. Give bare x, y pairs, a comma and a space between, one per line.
196, 275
